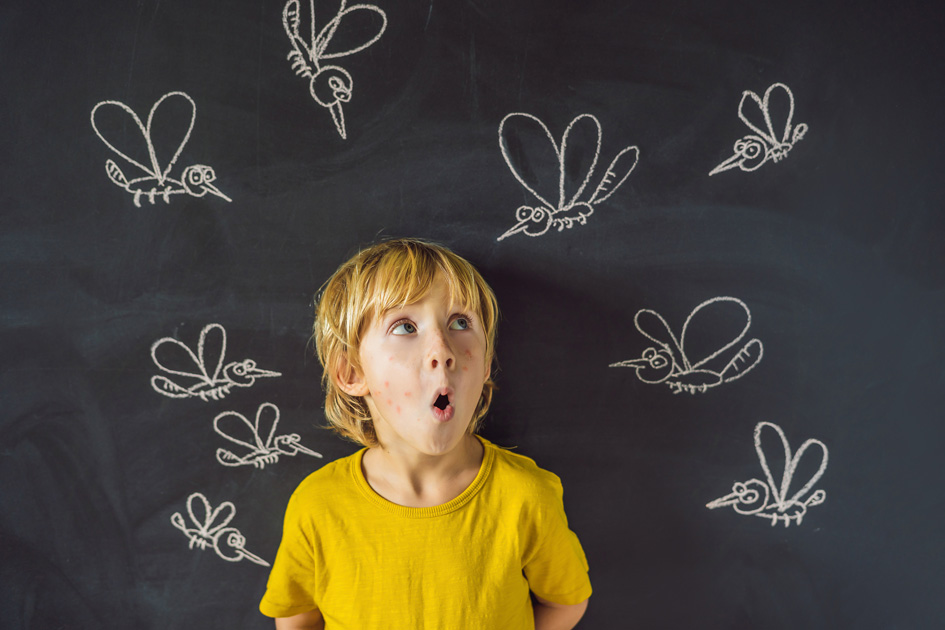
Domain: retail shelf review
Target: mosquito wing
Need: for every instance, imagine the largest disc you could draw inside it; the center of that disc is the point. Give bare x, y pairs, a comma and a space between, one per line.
778, 94
208, 521
713, 327
169, 388
772, 453
267, 419
320, 43
174, 357
236, 428
652, 326
617, 173
532, 154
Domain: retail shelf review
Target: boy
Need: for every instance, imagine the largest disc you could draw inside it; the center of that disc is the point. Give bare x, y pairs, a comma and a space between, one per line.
429, 526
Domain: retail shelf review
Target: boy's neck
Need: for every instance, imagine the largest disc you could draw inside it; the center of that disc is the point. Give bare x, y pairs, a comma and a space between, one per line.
417, 480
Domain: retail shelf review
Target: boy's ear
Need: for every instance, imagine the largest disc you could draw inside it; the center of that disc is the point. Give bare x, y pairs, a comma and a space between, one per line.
350, 380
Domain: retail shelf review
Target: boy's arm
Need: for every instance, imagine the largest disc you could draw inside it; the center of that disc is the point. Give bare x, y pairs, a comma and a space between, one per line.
551, 616
311, 620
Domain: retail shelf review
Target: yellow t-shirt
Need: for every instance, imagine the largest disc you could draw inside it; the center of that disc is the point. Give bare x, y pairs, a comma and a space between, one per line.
367, 563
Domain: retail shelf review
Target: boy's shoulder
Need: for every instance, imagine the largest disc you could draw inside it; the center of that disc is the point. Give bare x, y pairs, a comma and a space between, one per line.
523, 472
331, 479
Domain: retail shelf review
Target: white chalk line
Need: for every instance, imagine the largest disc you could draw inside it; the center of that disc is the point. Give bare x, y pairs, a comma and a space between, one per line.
201, 382
257, 451
329, 85
754, 150
770, 499
568, 211
208, 529
669, 362
196, 180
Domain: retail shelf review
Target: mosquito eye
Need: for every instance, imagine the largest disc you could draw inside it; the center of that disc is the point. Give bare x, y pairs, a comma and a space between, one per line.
749, 148
523, 213
195, 176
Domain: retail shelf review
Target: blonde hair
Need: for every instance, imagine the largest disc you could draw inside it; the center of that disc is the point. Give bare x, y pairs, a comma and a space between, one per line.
387, 275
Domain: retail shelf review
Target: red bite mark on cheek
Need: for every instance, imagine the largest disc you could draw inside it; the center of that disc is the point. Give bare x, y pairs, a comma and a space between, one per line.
398, 408
468, 354
390, 402
406, 394
465, 368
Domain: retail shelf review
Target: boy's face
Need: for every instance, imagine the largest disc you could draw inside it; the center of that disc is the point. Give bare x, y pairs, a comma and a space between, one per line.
423, 368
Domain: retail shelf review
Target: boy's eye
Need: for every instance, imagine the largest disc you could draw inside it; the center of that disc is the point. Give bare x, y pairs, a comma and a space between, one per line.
460, 323
404, 328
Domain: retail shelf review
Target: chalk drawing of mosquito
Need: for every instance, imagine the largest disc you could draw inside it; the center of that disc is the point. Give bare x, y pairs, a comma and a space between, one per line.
329, 85
205, 377
764, 145
768, 499
208, 529
568, 211
195, 180
258, 452
669, 362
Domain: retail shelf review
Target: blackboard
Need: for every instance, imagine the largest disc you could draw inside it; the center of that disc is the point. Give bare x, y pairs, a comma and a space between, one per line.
827, 245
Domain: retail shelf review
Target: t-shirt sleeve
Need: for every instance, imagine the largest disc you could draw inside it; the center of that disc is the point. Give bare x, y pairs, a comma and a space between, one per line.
291, 581
557, 570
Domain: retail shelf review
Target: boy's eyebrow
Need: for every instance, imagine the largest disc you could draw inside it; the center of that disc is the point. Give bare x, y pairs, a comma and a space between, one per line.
455, 307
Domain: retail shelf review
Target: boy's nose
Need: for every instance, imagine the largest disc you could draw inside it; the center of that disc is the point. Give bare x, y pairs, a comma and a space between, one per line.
440, 352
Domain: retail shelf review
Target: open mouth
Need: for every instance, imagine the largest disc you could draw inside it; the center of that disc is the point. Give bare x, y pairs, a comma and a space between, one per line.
442, 402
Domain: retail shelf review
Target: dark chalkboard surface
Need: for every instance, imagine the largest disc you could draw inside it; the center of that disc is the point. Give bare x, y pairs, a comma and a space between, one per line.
773, 268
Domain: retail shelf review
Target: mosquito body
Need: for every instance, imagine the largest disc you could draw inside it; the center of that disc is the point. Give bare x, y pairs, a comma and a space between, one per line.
569, 210
330, 85
208, 530
769, 499
257, 451
156, 183
669, 362
765, 144
206, 375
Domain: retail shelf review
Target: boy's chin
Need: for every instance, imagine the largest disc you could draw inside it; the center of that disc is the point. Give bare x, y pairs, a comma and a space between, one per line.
440, 441
427, 437
443, 443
